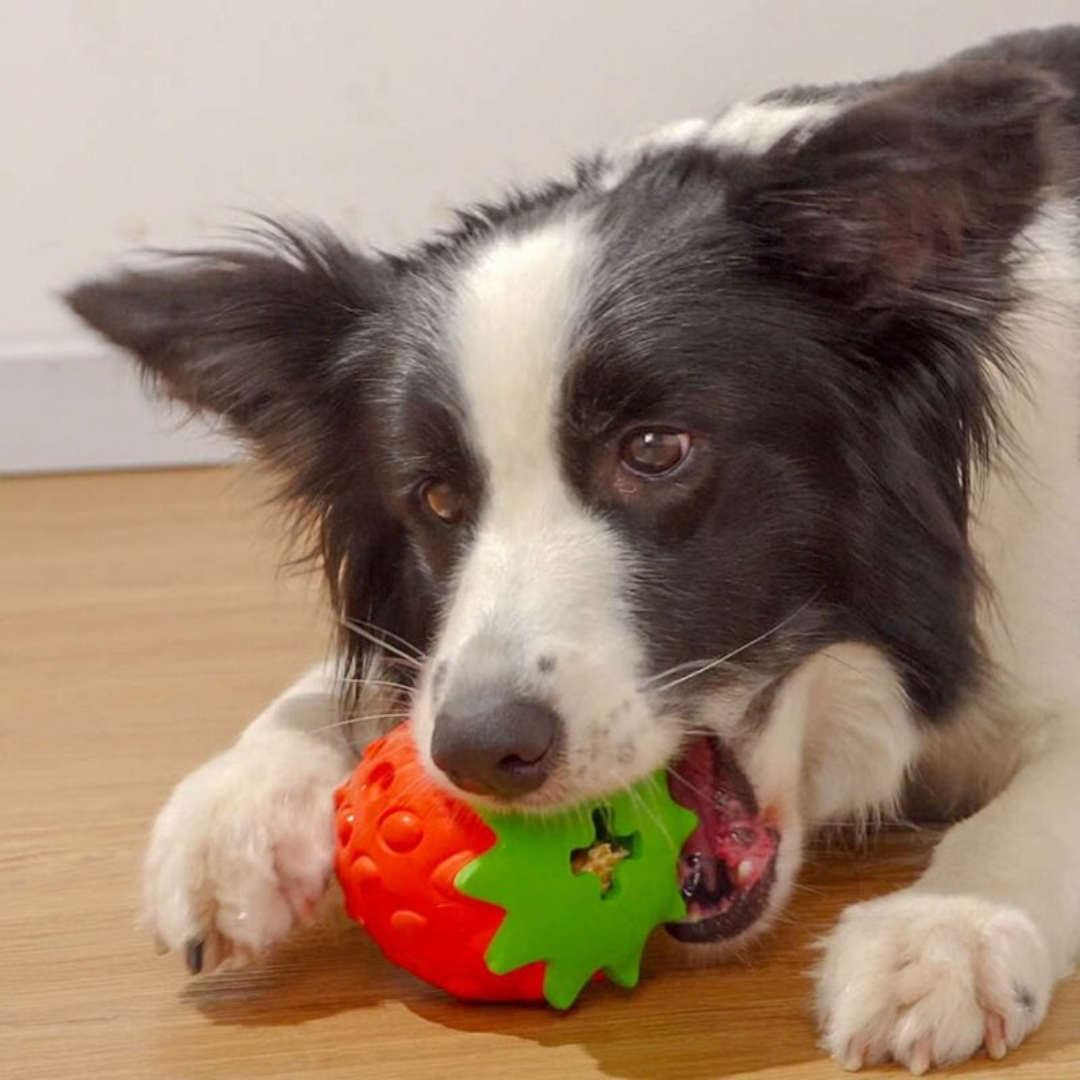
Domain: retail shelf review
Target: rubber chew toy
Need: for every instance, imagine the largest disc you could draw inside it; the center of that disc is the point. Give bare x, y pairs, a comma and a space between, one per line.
505, 907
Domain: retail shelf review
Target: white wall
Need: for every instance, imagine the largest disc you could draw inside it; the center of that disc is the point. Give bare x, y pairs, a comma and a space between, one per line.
151, 121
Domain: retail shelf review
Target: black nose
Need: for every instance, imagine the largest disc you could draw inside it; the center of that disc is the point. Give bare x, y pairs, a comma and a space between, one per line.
504, 748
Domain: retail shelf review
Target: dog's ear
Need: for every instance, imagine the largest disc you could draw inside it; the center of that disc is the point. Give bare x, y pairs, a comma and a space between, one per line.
248, 333
907, 184
273, 338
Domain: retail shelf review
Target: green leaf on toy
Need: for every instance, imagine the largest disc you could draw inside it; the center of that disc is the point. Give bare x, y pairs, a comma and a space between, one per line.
561, 909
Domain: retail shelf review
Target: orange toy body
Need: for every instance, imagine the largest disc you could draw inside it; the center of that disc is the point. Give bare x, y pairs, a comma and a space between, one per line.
401, 844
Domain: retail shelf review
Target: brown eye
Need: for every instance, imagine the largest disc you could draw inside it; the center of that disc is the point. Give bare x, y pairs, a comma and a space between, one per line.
443, 501
654, 452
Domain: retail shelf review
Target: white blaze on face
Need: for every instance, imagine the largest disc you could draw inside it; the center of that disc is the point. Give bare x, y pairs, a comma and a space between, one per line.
542, 583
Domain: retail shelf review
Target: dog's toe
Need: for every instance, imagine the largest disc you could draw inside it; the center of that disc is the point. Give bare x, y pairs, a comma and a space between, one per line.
929, 980
241, 853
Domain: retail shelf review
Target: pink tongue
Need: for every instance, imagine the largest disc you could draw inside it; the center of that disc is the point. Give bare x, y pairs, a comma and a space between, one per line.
701, 783
729, 828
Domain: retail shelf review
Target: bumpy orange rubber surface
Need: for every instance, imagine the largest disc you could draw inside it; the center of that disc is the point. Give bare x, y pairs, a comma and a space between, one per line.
401, 844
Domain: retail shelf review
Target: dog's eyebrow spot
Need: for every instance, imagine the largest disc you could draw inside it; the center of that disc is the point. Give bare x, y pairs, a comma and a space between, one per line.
546, 664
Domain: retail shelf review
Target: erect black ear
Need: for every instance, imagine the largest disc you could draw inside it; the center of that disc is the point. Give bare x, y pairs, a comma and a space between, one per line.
249, 333
908, 184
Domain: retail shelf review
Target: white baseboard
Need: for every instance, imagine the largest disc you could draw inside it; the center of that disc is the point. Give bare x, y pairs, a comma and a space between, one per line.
72, 406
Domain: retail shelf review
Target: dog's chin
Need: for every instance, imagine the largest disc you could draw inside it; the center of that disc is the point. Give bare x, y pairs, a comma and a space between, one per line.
728, 867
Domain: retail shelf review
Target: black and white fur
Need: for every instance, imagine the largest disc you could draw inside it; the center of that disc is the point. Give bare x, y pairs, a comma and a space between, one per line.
862, 304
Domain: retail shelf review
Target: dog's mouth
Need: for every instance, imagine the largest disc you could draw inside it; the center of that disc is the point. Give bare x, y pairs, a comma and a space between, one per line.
728, 866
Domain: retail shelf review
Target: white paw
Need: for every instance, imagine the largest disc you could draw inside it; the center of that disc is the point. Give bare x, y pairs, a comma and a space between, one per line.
243, 850
928, 980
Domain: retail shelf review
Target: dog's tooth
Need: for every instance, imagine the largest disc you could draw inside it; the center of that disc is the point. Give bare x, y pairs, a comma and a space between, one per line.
744, 872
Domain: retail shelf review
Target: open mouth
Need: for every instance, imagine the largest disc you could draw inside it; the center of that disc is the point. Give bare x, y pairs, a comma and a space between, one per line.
728, 866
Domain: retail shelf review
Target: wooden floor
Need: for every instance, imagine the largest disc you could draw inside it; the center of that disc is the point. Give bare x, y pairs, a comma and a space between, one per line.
141, 623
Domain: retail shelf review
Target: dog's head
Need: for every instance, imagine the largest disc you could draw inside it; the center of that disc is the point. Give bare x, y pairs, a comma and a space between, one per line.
618, 456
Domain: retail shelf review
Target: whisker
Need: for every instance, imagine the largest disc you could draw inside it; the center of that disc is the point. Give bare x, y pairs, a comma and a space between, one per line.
735, 652
360, 681
403, 642
353, 721
700, 792
813, 890
393, 650
642, 804
674, 669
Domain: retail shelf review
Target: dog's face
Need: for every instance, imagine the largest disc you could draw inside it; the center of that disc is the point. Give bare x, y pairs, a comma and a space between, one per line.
580, 519
620, 456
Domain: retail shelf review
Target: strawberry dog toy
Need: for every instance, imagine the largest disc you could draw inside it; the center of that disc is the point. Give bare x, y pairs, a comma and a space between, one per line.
505, 906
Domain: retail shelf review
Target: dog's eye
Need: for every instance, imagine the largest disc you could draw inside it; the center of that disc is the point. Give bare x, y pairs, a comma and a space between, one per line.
443, 501
654, 452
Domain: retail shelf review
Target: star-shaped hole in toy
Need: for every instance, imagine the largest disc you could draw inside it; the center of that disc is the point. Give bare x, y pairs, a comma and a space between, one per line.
604, 854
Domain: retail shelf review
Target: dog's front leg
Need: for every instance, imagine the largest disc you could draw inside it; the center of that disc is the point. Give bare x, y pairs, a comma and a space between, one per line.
968, 956
243, 850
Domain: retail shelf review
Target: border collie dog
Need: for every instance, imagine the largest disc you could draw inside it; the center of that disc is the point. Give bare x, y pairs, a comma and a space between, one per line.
751, 451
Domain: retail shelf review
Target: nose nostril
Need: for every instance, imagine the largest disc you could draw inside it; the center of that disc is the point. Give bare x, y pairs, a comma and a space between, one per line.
518, 762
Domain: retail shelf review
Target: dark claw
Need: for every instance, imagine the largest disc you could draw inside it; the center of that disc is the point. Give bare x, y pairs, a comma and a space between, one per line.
193, 955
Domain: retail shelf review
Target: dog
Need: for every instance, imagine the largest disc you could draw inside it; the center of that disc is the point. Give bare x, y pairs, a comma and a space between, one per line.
750, 451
